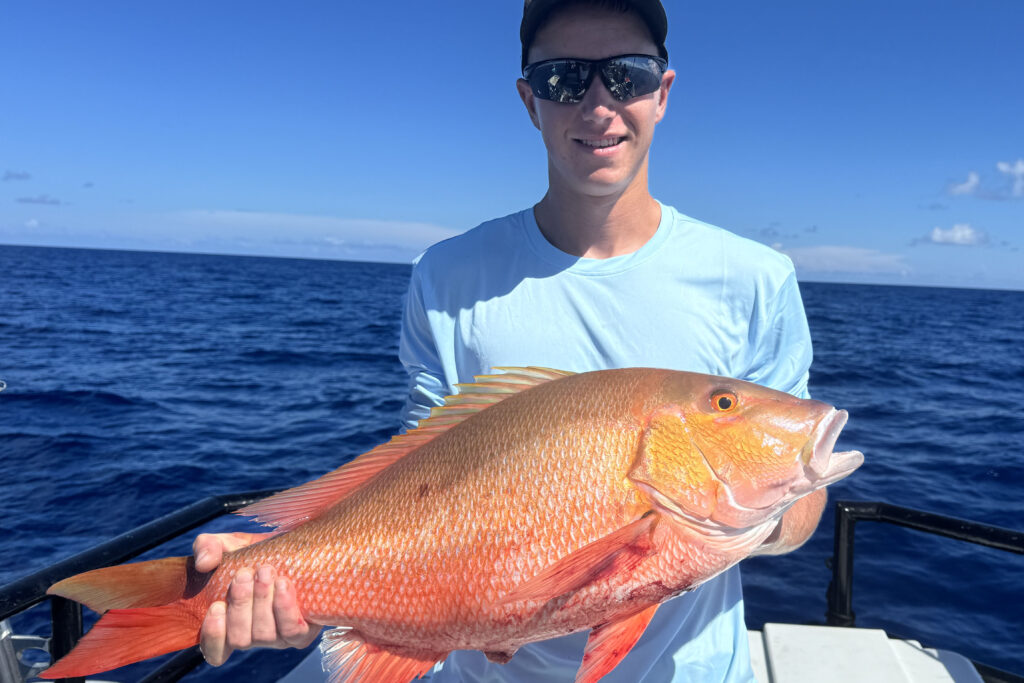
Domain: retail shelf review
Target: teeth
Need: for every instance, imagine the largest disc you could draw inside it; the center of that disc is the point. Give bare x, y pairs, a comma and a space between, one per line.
606, 142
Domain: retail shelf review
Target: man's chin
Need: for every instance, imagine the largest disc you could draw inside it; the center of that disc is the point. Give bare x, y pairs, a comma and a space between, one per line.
605, 185
600, 182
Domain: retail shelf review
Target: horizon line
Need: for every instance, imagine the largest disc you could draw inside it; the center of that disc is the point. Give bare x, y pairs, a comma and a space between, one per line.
409, 264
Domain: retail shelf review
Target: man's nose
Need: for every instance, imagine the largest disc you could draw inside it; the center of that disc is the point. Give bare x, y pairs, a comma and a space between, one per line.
598, 103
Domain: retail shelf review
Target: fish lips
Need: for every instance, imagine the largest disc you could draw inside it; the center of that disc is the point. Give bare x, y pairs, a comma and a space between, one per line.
822, 465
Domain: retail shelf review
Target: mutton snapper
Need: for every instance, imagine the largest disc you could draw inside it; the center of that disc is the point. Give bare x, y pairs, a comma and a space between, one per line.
534, 504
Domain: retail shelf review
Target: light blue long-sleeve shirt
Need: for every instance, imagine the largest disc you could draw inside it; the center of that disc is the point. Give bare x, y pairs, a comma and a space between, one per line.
694, 297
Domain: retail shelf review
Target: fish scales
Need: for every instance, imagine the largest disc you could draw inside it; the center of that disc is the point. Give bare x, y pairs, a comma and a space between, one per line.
438, 537
539, 504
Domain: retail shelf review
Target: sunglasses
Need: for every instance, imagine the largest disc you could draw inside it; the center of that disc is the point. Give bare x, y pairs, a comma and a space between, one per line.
567, 80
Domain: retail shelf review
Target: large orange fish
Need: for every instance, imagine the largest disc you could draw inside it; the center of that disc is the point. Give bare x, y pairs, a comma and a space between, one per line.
534, 504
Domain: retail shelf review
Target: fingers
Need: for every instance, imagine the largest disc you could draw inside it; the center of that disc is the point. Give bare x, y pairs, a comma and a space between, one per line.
292, 628
264, 626
229, 625
239, 611
212, 641
209, 551
261, 611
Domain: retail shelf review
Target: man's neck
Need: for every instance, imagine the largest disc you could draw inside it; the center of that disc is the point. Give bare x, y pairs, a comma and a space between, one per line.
598, 227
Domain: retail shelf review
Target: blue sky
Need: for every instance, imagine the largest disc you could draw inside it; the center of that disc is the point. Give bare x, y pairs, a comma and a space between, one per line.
871, 141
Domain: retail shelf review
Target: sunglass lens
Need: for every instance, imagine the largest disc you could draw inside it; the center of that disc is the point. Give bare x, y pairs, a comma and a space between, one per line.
629, 77
560, 81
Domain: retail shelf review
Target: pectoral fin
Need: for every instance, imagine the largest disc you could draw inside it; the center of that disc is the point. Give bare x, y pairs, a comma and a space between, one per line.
610, 642
619, 551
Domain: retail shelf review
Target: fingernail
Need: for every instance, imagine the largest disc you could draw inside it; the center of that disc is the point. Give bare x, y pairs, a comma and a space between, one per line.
202, 556
244, 575
265, 574
218, 609
281, 584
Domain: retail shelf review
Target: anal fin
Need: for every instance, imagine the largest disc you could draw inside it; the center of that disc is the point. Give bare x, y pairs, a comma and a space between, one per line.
348, 658
609, 643
619, 551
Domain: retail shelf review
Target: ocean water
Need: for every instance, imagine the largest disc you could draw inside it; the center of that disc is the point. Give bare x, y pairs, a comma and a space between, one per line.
141, 382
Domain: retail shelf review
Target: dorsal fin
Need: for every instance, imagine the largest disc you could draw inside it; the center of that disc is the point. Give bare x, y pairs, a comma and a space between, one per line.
298, 505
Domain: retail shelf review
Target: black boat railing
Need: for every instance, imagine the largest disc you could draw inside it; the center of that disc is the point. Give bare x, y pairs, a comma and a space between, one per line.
848, 513
66, 615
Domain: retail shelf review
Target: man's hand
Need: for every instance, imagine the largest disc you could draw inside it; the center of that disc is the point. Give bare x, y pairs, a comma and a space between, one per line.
261, 608
796, 525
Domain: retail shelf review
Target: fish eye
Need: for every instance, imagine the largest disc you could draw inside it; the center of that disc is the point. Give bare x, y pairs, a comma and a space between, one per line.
723, 401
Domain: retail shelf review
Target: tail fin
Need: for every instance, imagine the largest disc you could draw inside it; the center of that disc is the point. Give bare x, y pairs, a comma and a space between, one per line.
150, 613
125, 636
142, 584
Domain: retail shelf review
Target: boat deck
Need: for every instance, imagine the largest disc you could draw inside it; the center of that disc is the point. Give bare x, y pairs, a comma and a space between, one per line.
789, 653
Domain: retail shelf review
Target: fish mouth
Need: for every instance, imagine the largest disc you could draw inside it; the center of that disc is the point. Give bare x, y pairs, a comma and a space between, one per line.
822, 465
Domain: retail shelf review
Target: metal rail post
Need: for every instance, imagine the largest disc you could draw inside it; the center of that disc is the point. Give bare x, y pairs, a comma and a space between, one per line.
840, 589
67, 630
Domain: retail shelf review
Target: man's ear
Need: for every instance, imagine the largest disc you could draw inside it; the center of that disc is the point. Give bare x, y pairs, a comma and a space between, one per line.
667, 79
529, 101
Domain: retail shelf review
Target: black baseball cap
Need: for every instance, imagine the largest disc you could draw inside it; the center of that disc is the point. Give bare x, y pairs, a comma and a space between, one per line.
536, 12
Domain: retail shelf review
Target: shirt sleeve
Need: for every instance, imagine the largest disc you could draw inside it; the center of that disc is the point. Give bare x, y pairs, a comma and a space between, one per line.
782, 358
417, 350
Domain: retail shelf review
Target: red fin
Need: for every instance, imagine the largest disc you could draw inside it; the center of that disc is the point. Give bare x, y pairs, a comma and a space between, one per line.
488, 390
298, 505
609, 643
142, 584
350, 659
123, 637
619, 551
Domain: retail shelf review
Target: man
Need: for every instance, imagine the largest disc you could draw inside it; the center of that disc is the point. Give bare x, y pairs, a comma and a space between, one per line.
597, 275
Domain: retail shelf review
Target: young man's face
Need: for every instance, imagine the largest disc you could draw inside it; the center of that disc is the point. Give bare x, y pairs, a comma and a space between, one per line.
572, 132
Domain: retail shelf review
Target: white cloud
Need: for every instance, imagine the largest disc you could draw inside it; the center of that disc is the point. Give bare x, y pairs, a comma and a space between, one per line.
286, 234
1015, 171
973, 186
961, 234
845, 260
968, 186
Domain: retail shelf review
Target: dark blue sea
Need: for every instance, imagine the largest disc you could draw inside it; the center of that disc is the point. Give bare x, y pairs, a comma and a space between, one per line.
141, 382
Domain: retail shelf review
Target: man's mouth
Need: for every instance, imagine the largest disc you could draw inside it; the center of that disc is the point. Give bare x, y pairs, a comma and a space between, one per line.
600, 143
